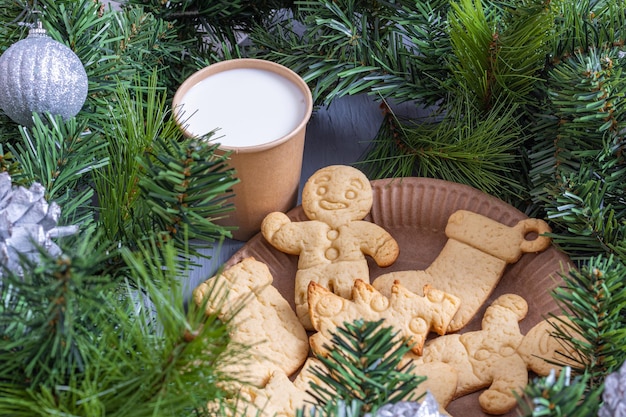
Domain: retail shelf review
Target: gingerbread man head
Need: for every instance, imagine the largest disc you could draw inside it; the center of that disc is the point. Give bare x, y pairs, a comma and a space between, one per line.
337, 194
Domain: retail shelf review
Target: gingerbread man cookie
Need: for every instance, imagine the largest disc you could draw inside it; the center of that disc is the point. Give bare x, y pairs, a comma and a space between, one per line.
544, 352
498, 357
333, 244
487, 358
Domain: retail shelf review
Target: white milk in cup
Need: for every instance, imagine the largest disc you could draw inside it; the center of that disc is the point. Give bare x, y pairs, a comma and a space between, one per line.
259, 111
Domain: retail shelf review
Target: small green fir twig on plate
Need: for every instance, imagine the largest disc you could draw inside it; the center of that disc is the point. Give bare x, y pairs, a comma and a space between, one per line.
363, 371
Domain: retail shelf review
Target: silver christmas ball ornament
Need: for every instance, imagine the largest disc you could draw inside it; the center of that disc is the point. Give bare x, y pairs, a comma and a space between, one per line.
39, 75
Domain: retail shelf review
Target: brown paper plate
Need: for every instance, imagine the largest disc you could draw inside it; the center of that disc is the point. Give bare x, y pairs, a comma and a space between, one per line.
415, 211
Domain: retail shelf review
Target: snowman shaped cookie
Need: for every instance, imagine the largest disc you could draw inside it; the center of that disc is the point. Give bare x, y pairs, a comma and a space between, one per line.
332, 245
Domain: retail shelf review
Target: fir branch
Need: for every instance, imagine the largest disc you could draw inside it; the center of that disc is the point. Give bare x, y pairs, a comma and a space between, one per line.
189, 348
560, 396
136, 349
579, 133
353, 47
586, 211
364, 365
593, 299
220, 20
463, 148
44, 331
117, 47
186, 187
60, 155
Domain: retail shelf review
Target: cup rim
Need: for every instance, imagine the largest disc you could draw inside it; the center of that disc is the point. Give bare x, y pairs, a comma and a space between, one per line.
236, 63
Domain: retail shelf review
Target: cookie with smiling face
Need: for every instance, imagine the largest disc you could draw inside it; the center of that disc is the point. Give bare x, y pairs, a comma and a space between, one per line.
333, 244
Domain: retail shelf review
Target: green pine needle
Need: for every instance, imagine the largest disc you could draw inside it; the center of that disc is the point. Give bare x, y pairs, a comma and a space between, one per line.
560, 396
364, 364
594, 298
462, 148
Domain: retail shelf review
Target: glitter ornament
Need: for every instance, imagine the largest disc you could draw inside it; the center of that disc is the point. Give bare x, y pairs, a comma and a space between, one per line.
39, 74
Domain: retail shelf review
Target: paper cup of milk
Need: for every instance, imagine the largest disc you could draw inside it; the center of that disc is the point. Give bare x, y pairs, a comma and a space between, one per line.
260, 110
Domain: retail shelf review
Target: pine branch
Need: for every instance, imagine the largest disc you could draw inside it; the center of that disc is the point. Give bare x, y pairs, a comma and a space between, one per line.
498, 51
137, 117
157, 182
60, 156
460, 147
363, 369
593, 298
560, 396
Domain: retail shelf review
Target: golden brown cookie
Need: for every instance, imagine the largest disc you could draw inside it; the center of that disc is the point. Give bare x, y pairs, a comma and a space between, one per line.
544, 352
260, 316
472, 261
278, 398
412, 316
487, 358
331, 246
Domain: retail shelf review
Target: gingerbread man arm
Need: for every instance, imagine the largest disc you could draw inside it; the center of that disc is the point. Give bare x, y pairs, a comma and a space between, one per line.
282, 233
376, 242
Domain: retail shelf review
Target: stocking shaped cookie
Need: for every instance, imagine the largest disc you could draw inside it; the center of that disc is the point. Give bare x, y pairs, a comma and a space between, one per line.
412, 316
472, 261
260, 317
333, 244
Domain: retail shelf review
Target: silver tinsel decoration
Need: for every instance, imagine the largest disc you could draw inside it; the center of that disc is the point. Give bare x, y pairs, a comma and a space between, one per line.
27, 222
614, 395
39, 74
427, 408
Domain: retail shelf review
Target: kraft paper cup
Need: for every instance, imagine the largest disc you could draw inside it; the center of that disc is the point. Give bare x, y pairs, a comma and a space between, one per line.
268, 173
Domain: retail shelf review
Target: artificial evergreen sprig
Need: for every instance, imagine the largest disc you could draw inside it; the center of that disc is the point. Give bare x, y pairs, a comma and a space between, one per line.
61, 156
186, 187
586, 209
363, 370
593, 299
561, 396
76, 341
460, 147
45, 314
586, 25
581, 122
